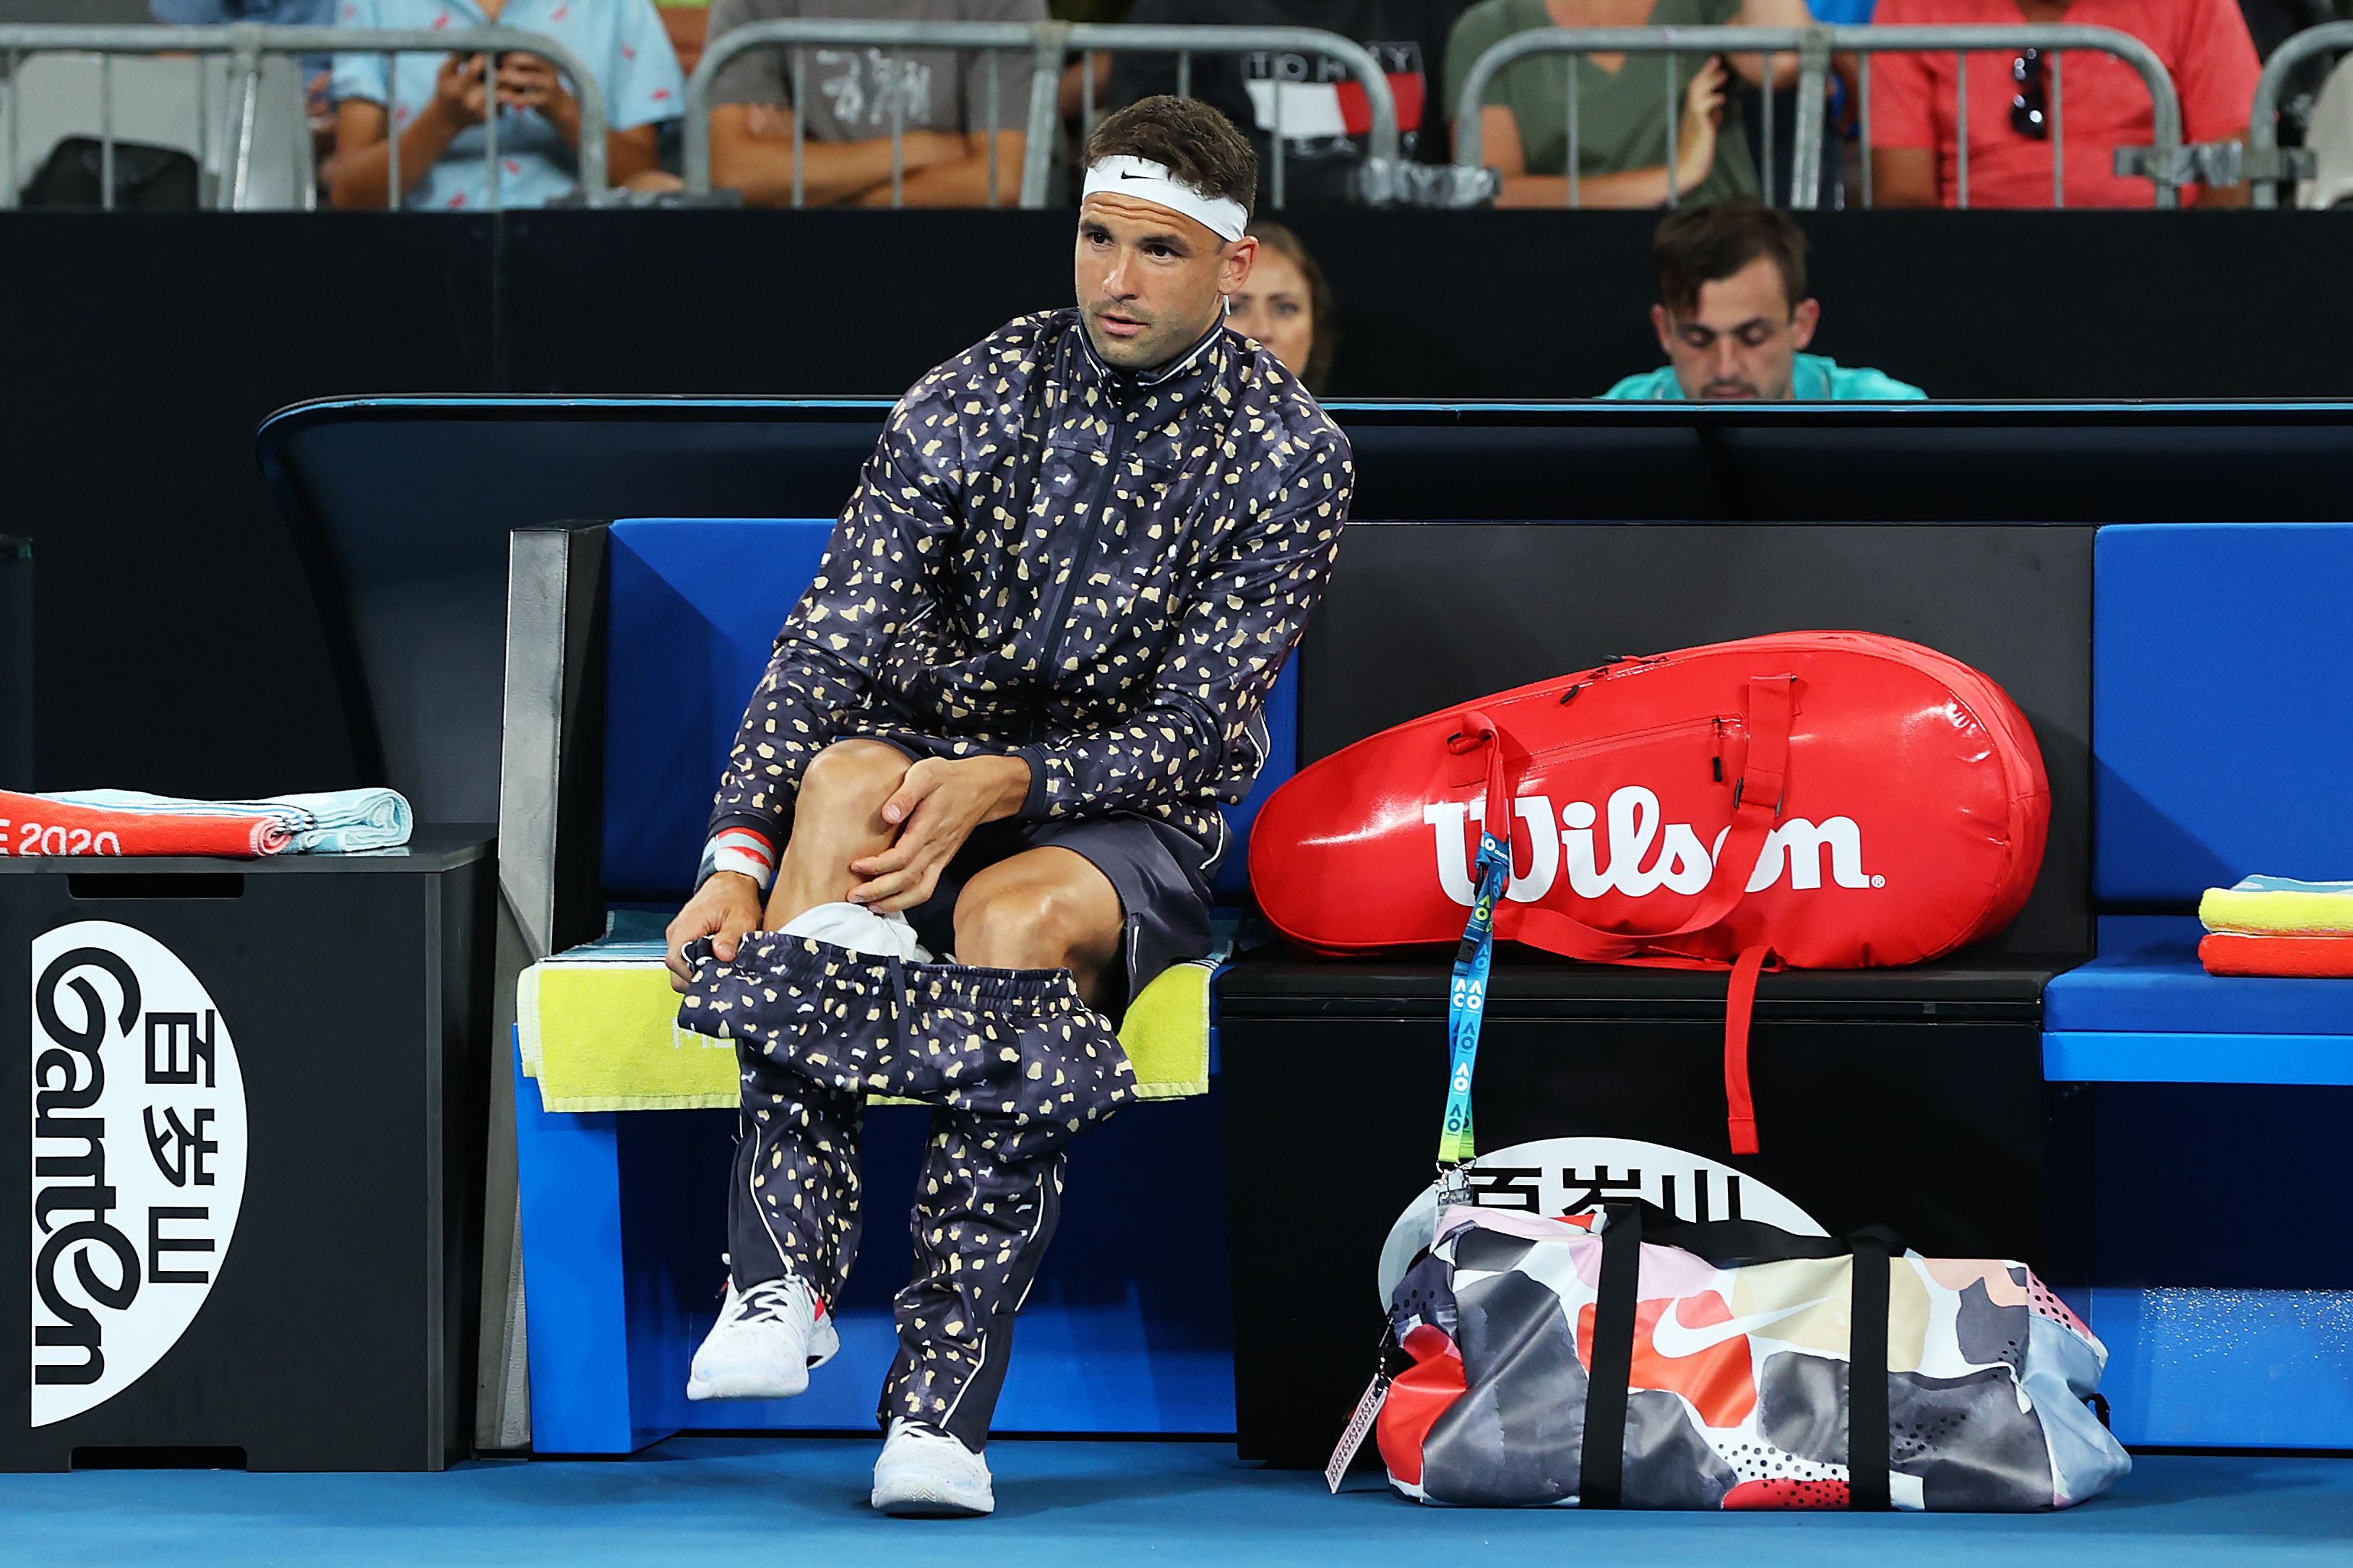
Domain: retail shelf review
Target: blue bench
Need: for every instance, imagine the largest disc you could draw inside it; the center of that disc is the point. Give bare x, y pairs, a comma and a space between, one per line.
2222, 658
621, 1212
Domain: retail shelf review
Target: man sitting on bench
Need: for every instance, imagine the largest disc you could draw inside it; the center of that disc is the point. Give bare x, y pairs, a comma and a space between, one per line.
1000, 723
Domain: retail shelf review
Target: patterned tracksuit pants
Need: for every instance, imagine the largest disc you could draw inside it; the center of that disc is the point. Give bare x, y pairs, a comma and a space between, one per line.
1014, 1065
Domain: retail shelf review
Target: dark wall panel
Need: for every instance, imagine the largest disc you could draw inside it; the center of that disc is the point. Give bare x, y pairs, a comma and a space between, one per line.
177, 646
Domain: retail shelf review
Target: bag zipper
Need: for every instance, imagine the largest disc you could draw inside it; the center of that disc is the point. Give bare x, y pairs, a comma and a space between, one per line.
1629, 738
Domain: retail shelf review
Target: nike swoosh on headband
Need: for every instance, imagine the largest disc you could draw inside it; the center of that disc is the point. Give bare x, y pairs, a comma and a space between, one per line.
1144, 180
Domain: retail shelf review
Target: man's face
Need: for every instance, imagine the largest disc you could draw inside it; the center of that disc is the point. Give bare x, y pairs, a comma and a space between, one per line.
1741, 339
1151, 281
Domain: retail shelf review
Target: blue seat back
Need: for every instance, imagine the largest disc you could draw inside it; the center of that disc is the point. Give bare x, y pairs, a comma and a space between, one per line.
2222, 665
693, 606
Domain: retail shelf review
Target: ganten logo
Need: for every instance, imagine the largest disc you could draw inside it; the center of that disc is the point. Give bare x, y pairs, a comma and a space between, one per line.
139, 1151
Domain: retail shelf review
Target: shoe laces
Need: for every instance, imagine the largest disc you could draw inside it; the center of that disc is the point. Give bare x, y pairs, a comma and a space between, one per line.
772, 1301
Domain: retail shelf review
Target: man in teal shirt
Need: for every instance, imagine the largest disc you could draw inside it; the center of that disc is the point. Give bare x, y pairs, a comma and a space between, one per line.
1733, 316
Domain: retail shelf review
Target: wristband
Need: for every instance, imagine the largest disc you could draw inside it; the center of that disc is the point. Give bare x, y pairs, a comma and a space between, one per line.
741, 850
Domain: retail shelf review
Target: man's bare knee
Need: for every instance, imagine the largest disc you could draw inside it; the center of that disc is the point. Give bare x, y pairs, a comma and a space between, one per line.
849, 779
1030, 926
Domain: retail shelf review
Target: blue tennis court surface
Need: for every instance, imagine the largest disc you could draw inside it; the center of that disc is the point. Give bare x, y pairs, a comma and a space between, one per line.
797, 1501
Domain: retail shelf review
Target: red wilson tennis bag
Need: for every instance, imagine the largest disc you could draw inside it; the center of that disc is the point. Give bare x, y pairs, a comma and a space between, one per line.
1825, 800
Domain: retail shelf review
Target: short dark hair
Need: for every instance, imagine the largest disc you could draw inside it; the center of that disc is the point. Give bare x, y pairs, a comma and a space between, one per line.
1703, 245
1323, 305
1197, 144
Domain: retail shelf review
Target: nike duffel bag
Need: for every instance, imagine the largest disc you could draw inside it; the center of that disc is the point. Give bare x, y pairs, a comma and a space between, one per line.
1659, 1363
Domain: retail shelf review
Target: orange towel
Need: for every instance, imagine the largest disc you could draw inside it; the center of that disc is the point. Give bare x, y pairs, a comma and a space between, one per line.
2292, 957
31, 825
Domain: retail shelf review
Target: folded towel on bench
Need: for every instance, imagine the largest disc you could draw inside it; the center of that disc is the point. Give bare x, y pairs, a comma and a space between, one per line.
2279, 906
596, 1026
2289, 957
42, 824
337, 822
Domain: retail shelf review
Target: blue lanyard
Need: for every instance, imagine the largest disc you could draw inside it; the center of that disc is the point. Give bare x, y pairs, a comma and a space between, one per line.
1466, 999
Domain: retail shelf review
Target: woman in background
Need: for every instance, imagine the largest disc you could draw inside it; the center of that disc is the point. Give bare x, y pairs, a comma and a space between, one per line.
1288, 307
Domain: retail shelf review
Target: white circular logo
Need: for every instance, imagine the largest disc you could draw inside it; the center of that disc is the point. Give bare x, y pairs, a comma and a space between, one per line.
1554, 1177
138, 1147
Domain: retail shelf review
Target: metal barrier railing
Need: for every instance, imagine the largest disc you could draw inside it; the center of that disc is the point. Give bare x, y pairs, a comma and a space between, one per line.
2163, 161
2267, 161
1049, 45
245, 43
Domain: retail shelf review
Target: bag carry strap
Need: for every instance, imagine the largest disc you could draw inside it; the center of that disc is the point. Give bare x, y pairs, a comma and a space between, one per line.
1756, 810
1866, 1375
1466, 997
1739, 1002
1601, 1458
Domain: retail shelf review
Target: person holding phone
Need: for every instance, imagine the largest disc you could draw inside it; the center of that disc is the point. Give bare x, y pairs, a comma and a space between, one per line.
440, 106
1621, 103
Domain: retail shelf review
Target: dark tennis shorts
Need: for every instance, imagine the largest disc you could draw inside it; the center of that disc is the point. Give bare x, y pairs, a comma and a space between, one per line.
1154, 867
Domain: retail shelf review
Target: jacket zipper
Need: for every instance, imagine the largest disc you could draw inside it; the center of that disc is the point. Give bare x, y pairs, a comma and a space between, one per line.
1060, 619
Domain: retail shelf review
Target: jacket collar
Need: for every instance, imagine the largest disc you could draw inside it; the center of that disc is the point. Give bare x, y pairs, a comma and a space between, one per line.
1194, 364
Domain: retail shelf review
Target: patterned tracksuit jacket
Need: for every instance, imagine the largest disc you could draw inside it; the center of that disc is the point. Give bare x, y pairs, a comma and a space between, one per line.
1098, 572
1102, 574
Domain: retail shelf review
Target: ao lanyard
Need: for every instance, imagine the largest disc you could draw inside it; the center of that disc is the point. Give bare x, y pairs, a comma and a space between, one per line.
1466, 999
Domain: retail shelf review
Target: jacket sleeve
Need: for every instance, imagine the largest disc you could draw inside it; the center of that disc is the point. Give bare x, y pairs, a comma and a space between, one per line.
874, 579
1247, 613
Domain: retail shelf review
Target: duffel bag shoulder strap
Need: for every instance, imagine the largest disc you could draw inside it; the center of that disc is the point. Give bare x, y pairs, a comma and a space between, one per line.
1866, 1373
1601, 1457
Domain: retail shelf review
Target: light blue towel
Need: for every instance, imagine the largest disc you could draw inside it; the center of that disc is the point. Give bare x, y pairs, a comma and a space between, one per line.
2288, 885
340, 822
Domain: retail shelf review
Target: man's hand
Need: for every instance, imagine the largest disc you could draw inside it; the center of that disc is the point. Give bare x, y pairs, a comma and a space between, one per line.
940, 803
724, 908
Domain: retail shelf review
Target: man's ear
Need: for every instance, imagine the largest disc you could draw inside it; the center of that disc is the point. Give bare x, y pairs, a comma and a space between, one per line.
1803, 321
1666, 334
1234, 270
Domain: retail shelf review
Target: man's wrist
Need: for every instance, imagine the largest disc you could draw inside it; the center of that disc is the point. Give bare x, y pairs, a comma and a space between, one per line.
743, 851
1009, 786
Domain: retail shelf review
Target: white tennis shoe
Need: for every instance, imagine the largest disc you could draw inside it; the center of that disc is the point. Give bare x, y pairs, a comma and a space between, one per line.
764, 1345
925, 1474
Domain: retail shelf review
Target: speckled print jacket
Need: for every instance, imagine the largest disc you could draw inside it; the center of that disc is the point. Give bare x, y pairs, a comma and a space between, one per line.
1100, 572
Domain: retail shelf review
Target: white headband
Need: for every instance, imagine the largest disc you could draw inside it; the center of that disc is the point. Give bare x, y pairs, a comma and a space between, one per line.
1146, 181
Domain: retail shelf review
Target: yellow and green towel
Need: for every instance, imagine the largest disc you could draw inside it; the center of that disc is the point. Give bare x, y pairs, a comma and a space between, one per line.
2279, 906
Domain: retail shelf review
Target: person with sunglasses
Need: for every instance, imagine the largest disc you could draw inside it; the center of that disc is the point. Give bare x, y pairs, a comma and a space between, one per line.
2023, 104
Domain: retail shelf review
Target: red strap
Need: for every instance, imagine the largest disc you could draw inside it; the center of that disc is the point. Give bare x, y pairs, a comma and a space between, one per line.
1739, 1002
1756, 808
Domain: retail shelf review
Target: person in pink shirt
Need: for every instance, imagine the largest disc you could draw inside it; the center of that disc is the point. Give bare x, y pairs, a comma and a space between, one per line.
2103, 104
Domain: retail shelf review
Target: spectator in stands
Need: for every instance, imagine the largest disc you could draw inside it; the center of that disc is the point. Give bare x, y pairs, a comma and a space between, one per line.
939, 97
1288, 307
1324, 119
1733, 315
439, 105
274, 13
1915, 154
1621, 116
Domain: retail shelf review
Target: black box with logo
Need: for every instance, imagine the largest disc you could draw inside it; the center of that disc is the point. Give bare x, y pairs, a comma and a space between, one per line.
1912, 1097
240, 1155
